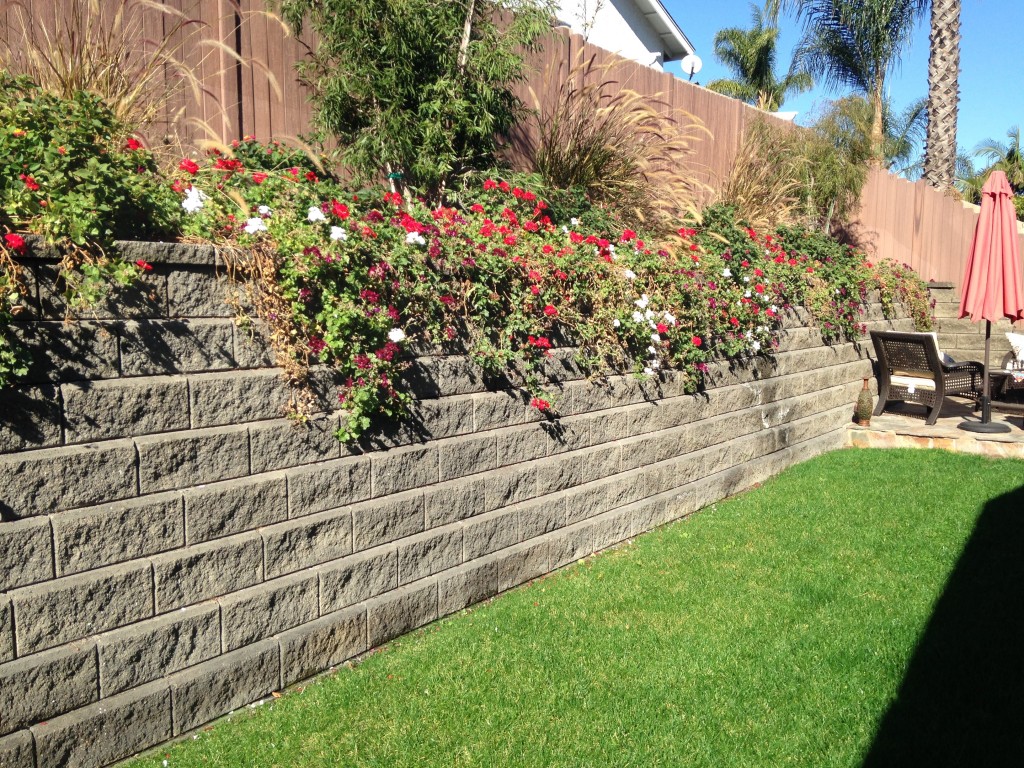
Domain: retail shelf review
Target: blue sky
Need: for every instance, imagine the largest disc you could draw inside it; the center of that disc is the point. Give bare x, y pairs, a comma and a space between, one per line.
991, 66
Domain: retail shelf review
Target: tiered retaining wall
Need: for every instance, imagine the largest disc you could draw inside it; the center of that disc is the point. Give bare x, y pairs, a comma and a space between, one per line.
173, 547
964, 339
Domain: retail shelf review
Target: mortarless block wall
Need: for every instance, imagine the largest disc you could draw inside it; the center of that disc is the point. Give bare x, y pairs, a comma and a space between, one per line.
172, 547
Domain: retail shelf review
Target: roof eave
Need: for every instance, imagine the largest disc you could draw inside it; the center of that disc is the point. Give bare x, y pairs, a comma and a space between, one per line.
675, 43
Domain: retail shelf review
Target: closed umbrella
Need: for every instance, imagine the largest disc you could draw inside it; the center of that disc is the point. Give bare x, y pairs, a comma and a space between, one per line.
991, 288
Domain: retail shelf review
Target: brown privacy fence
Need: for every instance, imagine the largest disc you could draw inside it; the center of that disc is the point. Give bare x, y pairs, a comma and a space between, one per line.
260, 95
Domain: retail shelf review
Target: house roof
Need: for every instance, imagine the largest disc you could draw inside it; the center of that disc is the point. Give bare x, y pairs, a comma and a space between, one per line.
676, 44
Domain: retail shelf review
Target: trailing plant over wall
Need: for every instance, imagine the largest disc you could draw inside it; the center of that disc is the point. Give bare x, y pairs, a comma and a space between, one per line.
350, 280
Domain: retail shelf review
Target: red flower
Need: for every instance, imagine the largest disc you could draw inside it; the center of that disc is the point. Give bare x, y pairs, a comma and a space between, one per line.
662, 328
310, 176
489, 185
316, 345
189, 166
627, 235
540, 404
339, 209
696, 341
29, 182
561, 275
258, 177
535, 290
371, 297
15, 242
476, 208
362, 362
133, 144
447, 300
144, 265
534, 275
550, 311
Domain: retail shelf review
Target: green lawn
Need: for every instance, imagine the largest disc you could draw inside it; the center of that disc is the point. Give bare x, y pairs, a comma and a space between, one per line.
776, 628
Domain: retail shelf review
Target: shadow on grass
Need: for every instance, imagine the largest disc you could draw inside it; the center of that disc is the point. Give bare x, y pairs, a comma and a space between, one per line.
961, 702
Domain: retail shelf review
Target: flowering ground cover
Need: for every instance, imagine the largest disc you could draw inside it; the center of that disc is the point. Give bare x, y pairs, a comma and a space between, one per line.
807, 622
352, 279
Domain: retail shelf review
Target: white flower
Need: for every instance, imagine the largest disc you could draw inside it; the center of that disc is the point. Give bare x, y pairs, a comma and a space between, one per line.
565, 230
415, 238
746, 295
264, 210
756, 346
648, 371
670, 318
629, 274
574, 221
653, 350
726, 272
648, 314
643, 301
774, 308
396, 335
746, 279
637, 317
655, 364
193, 200
252, 226
338, 233
655, 337
315, 214
616, 322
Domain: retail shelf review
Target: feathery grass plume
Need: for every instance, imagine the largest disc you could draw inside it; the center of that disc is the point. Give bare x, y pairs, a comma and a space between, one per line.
631, 153
766, 175
146, 60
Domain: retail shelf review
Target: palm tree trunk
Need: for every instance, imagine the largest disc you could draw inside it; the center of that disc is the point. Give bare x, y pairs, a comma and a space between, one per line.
877, 127
943, 94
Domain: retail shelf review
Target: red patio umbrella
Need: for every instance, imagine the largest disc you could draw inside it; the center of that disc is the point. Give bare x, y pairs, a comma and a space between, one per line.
991, 287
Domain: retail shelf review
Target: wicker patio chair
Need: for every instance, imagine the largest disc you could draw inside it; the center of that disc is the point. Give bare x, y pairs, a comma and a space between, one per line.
911, 369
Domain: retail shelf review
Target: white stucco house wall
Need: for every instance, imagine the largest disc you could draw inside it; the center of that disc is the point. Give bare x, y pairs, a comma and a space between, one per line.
641, 30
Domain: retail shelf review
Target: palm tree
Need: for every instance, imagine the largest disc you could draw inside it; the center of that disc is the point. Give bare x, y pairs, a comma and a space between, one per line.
856, 43
940, 159
848, 123
1008, 157
750, 54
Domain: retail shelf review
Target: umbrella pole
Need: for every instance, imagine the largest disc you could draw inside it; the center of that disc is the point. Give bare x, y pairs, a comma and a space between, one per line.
985, 425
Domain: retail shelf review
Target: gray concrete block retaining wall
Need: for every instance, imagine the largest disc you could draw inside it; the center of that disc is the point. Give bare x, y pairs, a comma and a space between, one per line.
173, 547
964, 339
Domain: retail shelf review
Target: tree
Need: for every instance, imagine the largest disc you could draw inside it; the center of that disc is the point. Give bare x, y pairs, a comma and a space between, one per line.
750, 55
856, 43
416, 89
1008, 158
849, 121
943, 94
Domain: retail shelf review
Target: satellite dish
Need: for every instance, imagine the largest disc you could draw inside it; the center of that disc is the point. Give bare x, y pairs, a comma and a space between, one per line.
691, 64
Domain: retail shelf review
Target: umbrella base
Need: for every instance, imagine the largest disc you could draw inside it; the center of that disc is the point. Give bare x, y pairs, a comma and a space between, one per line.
984, 427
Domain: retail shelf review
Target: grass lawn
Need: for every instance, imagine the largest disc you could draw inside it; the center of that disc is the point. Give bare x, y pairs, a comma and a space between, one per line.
864, 608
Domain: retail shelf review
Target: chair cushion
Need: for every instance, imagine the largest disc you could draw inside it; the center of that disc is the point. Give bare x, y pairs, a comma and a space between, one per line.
912, 382
1017, 343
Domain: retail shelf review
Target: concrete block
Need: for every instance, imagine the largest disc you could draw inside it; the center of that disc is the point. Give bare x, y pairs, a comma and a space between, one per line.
26, 552
466, 585
207, 570
541, 516
442, 417
584, 396
468, 455
403, 468
193, 457
429, 553
146, 296
570, 545
143, 652
454, 501
214, 688
322, 644
382, 520
400, 611
510, 485
357, 578
558, 473
46, 684
611, 528
328, 485
258, 612
169, 253
586, 501
234, 506
236, 397
306, 541
103, 410
92, 537
200, 292
567, 434
519, 444
285, 443
68, 352
61, 611
494, 410
40, 482
6, 630
29, 418
522, 563
489, 533
252, 345
599, 463
107, 731
17, 750
431, 377
153, 348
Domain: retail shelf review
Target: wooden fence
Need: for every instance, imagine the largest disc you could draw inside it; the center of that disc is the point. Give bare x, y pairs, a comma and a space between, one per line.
258, 93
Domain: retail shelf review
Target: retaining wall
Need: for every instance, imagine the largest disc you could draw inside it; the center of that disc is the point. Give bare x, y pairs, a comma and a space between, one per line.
173, 547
